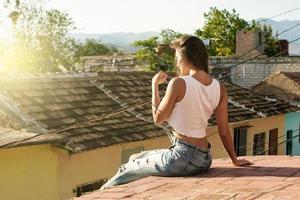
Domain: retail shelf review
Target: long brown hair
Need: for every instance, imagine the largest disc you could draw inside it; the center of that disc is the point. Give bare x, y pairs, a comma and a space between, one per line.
193, 49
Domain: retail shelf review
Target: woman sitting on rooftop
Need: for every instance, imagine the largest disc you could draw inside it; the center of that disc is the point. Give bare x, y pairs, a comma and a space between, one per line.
189, 101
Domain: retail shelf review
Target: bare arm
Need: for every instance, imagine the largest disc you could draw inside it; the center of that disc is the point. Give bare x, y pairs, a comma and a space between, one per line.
223, 128
161, 110
155, 101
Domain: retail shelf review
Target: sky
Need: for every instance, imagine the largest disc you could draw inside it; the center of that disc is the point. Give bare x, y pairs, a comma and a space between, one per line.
107, 16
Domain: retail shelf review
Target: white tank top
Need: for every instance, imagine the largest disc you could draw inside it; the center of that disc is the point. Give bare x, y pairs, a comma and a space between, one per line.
190, 116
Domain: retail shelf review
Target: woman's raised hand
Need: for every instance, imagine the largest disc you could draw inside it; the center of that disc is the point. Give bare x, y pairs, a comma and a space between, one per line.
159, 78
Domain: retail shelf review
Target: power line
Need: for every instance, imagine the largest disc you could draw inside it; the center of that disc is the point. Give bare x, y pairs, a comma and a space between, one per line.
76, 125
264, 151
289, 11
249, 51
263, 20
288, 140
286, 30
100, 117
145, 102
266, 141
280, 53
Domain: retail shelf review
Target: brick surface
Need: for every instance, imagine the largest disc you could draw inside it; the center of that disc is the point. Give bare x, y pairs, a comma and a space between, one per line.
271, 178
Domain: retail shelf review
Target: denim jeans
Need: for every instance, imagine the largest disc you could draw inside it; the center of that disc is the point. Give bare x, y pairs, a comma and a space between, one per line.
180, 159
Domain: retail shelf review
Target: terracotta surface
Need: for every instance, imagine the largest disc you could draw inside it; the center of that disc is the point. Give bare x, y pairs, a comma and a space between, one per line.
271, 178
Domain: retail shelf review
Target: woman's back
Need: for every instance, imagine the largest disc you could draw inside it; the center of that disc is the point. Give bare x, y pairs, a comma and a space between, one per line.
190, 115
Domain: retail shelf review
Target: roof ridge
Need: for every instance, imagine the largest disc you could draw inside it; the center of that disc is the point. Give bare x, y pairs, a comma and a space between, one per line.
72, 74
230, 100
117, 99
252, 91
276, 73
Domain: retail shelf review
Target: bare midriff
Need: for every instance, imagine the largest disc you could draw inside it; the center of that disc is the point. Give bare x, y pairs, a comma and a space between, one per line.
199, 142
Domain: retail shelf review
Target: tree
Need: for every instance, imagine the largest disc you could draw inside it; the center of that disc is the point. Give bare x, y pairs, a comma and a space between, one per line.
56, 45
271, 43
42, 42
92, 47
221, 27
155, 51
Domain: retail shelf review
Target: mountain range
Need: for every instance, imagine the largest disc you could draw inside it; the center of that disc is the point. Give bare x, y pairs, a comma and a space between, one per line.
124, 40
290, 35
121, 40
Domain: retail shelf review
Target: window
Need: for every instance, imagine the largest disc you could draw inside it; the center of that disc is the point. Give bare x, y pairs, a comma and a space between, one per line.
289, 142
273, 141
89, 187
259, 144
240, 141
299, 131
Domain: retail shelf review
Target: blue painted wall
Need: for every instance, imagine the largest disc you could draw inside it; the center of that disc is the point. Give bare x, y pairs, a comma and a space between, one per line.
292, 122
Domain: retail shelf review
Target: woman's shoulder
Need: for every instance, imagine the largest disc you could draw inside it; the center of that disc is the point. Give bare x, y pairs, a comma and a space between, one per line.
177, 85
177, 82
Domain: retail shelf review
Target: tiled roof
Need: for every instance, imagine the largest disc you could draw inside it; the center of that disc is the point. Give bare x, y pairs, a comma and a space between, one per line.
295, 76
58, 101
272, 177
130, 88
281, 85
260, 104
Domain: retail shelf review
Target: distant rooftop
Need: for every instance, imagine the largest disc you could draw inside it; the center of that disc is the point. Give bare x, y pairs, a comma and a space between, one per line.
272, 177
295, 76
281, 85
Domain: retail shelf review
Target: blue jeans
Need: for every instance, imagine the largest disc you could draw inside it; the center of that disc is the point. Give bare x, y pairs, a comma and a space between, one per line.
180, 159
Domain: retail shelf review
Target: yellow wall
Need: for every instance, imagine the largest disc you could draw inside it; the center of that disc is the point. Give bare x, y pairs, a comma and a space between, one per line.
89, 166
28, 173
258, 126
